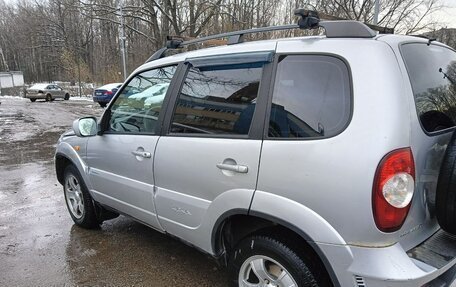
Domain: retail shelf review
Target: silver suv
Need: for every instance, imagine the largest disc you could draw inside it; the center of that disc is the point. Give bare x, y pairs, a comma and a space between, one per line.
309, 161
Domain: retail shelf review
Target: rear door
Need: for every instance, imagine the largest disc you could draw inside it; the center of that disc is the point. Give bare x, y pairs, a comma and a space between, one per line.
57, 92
121, 160
432, 75
211, 144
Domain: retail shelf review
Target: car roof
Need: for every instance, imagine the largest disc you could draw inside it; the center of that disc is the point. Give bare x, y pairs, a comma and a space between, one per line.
110, 86
39, 86
262, 45
396, 40
270, 45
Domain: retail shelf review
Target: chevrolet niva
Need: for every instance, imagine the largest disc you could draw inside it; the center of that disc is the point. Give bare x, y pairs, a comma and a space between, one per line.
309, 161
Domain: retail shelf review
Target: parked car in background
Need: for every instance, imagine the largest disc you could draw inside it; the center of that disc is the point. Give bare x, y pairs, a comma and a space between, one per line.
104, 94
48, 92
155, 94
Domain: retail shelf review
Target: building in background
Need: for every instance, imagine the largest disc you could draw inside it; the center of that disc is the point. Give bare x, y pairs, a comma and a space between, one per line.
11, 83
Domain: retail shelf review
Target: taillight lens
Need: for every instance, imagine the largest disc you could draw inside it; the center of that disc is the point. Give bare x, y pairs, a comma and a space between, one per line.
108, 93
394, 185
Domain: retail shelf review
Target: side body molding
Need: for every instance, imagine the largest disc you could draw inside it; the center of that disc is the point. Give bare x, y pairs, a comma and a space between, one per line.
235, 200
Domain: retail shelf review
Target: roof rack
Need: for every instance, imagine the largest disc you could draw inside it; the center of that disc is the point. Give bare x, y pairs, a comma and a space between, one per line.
309, 19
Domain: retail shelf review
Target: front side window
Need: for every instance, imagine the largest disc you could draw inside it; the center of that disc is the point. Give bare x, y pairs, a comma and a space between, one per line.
138, 106
217, 100
311, 97
432, 73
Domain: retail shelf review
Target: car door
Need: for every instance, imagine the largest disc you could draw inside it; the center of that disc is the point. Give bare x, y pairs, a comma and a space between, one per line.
48, 89
210, 148
59, 91
121, 159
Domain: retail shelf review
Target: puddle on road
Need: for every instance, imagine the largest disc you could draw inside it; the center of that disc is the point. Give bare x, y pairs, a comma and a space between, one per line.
39, 147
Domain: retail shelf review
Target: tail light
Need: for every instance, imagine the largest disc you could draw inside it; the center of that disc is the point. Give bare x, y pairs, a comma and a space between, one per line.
108, 93
394, 185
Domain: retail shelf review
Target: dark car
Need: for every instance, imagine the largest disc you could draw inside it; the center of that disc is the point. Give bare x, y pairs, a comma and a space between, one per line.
104, 94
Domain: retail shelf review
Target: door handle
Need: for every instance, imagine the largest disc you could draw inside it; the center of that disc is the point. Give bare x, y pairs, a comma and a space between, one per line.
233, 167
144, 154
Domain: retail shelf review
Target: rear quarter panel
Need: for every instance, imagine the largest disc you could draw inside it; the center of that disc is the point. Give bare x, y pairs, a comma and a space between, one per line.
333, 177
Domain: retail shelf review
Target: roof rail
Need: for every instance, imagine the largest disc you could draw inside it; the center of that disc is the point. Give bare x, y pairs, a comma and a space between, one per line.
309, 19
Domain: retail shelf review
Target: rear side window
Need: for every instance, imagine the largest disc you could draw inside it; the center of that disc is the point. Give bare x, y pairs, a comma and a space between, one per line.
432, 73
311, 97
217, 100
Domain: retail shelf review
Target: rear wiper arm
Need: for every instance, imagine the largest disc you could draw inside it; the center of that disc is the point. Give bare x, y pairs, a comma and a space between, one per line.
445, 75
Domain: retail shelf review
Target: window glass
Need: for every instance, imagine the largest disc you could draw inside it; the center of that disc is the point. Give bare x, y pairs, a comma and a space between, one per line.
432, 72
217, 100
311, 97
137, 108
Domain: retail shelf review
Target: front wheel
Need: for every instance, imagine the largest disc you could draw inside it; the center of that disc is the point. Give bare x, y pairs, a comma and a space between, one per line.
48, 98
32, 100
78, 199
67, 97
264, 261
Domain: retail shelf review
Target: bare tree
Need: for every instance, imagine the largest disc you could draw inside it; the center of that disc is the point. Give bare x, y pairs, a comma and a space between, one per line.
79, 39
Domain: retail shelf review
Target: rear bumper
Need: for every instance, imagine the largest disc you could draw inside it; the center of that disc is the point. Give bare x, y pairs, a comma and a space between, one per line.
432, 263
102, 99
35, 95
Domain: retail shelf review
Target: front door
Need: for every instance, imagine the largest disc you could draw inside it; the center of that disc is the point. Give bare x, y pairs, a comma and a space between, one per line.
121, 160
209, 152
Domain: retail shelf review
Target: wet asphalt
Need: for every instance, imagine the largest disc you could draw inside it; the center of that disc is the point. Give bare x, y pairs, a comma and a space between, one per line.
40, 246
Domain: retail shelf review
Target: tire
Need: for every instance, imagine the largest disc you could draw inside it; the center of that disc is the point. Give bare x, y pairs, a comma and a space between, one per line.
271, 258
103, 105
445, 199
78, 200
32, 100
67, 97
48, 98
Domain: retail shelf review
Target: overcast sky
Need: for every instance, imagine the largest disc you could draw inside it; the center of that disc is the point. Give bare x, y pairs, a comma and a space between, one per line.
448, 15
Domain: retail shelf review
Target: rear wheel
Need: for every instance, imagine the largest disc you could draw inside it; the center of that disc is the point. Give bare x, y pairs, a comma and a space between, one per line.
48, 98
32, 100
103, 105
265, 261
445, 200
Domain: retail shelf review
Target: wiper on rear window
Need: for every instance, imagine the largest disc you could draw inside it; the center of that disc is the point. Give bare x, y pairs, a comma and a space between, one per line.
446, 76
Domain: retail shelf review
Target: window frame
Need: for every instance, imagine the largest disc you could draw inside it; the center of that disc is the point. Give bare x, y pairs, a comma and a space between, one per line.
257, 123
174, 81
271, 94
409, 84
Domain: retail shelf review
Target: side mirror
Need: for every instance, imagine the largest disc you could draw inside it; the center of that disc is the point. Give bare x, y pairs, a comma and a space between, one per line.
85, 127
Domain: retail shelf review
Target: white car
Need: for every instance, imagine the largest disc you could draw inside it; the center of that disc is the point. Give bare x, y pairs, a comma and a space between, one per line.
152, 95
